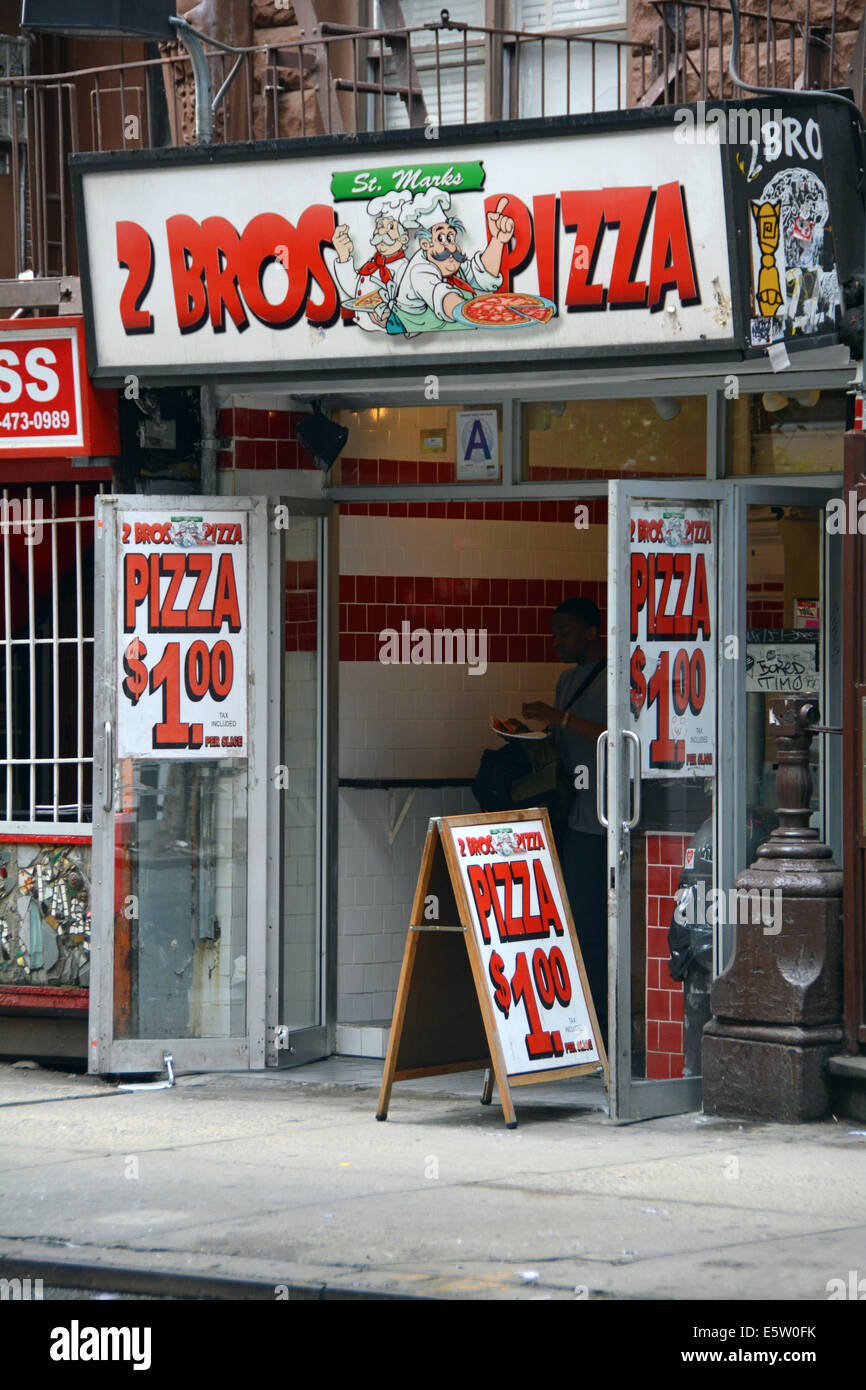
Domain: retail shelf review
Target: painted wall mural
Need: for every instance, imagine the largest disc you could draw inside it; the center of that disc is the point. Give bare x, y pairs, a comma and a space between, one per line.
45, 914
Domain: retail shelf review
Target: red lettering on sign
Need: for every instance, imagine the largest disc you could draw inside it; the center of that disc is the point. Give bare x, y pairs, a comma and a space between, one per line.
546, 904
662, 623
628, 209
700, 599
672, 263
225, 605
497, 906
481, 894
582, 213
217, 271
638, 590
545, 212
518, 252
199, 565
135, 254
513, 925
134, 587
531, 924
169, 616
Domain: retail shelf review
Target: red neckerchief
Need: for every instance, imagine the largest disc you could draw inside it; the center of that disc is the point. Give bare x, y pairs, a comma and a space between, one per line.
380, 263
458, 283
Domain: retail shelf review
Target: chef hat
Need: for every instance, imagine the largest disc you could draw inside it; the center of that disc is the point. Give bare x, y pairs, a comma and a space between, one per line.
390, 205
429, 208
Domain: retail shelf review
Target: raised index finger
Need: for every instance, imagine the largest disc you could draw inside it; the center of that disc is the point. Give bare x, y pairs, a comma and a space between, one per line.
503, 203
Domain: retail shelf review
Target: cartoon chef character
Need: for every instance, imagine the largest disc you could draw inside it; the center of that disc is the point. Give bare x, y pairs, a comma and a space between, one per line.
385, 268
439, 276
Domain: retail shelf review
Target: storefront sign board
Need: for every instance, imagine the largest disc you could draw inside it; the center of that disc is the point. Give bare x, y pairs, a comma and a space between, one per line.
182, 634
48, 408
492, 971
562, 244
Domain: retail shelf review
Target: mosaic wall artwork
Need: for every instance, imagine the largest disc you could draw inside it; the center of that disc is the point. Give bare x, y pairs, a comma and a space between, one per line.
44, 915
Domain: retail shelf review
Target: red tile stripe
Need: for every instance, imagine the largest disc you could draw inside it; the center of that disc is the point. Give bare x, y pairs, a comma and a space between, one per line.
560, 510
301, 606
665, 855
377, 472
514, 612
261, 439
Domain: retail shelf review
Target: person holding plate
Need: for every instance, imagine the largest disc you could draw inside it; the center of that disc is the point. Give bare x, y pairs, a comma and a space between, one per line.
575, 719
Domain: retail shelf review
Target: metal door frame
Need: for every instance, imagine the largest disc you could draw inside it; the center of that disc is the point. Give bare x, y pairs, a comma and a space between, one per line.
315, 1041
106, 1053
632, 1099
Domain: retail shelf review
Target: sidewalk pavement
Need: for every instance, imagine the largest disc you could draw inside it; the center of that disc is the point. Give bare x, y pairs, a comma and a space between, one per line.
286, 1178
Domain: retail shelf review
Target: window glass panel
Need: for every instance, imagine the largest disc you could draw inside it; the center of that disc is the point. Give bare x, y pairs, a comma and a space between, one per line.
413, 444
660, 437
787, 432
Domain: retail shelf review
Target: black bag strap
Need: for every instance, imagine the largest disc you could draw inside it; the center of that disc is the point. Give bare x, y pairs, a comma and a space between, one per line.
585, 684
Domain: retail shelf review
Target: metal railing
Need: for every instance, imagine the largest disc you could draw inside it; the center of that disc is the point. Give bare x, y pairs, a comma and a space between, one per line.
341, 80
792, 46
344, 79
46, 655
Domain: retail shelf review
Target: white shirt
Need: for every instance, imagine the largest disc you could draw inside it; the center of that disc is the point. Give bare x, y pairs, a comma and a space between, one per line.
422, 286
352, 286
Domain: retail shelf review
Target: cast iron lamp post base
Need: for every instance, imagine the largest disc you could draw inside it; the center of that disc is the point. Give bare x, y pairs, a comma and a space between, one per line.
778, 1007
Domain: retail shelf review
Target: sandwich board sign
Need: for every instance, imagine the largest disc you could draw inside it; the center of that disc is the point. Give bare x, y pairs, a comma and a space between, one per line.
492, 972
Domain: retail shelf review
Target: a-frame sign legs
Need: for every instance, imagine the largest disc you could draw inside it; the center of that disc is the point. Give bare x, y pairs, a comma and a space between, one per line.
441, 1021
409, 954
492, 975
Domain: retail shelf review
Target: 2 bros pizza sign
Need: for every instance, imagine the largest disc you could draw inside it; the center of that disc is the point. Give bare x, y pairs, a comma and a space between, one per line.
217, 269
220, 263
526, 946
182, 635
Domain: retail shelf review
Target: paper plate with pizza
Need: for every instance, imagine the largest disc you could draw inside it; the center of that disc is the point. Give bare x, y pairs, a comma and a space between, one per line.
504, 309
514, 728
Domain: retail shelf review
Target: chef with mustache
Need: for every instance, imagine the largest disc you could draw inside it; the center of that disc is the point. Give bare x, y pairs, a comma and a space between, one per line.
439, 276
385, 268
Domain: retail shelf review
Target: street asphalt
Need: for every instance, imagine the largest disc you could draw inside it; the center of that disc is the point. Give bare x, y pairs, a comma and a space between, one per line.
286, 1179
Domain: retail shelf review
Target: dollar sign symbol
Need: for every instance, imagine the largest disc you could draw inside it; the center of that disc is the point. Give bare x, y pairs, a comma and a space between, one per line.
638, 684
136, 672
502, 997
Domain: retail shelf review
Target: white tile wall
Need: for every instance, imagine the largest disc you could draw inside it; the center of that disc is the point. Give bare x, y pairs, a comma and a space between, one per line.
471, 549
442, 719
376, 896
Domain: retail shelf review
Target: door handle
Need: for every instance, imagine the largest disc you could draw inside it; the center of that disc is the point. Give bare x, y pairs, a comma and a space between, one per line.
601, 778
634, 758
108, 784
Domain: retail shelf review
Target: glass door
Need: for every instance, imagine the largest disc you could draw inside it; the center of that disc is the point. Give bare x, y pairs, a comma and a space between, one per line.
689, 773
181, 784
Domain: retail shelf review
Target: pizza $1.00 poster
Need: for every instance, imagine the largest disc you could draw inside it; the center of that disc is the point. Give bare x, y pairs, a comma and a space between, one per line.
672, 619
521, 932
182, 635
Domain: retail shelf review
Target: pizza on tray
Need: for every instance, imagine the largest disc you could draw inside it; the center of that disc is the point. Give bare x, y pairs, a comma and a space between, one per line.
506, 309
366, 301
